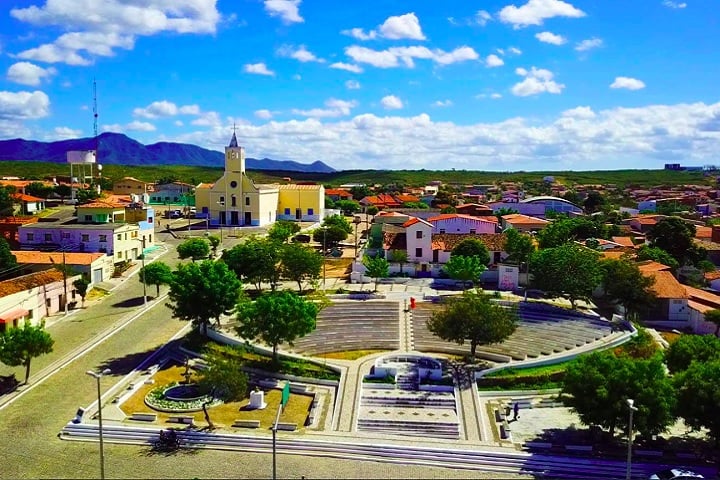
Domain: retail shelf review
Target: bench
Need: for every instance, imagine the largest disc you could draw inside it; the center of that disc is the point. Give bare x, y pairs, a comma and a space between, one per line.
143, 417
579, 448
289, 427
246, 423
182, 419
538, 445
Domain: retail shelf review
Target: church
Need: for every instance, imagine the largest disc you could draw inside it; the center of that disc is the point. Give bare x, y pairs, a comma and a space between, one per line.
235, 200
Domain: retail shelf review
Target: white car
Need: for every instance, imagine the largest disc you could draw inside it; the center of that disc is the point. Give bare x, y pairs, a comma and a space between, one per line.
675, 474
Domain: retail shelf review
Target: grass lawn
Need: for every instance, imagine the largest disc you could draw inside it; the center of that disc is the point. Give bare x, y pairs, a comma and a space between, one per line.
350, 354
524, 372
223, 416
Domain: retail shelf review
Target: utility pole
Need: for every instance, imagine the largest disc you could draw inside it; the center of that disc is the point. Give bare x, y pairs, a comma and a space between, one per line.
64, 273
142, 258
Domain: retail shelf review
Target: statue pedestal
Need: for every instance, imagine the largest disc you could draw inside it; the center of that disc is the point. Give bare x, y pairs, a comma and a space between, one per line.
257, 400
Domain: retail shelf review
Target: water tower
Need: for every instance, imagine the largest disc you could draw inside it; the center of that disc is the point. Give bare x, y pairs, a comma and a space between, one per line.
82, 160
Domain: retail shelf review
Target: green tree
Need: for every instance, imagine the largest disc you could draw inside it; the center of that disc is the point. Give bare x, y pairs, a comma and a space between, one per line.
473, 317
7, 204
416, 205
713, 316
675, 236
625, 284
8, 261
569, 271
214, 241
593, 202
448, 209
359, 192
281, 231
329, 236
18, 346
81, 286
300, 263
203, 291
372, 210
348, 207
464, 269
156, 273
86, 195
275, 318
255, 261
564, 230
501, 212
338, 221
688, 348
399, 256
224, 374
698, 394
376, 267
518, 246
63, 191
597, 387
38, 189
659, 255
472, 247
194, 249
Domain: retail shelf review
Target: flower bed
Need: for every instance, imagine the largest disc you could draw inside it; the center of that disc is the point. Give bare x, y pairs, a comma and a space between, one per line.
157, 400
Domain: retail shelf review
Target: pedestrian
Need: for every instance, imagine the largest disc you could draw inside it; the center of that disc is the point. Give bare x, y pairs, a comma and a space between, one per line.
516, 410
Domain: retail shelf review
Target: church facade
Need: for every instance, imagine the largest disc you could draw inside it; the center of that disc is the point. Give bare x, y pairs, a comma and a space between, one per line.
235, 200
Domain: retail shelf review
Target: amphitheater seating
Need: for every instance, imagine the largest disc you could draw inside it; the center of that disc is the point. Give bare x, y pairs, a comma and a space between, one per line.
353, 325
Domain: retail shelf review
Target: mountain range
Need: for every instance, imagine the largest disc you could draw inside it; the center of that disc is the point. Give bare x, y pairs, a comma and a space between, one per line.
119, 149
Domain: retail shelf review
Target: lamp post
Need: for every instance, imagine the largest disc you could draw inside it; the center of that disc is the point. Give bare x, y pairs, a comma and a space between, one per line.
97, 377
356, 221
142, 259
324, 229
631, 406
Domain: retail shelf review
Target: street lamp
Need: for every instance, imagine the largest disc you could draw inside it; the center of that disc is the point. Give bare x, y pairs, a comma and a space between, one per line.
142, 259
324, 229
631, 406
97, 377
356, 221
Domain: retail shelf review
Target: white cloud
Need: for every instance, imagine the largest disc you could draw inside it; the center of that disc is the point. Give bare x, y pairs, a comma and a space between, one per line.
349, 67
551, 38
534, 12
589, 44
493, 96
482, 17
24, 105
263, 114
207, 119
646, 137
515, 51
258, 69
299, 53
27, 73
139, 126
178, 123
537, 80
671, 4
443, 103
391, 102
297, 76
394, 28
335, 108
287, 10
628, 83
164, 108
493, 60
189, 110
98, 28
64, 133
579, 112
393, 56
352, 85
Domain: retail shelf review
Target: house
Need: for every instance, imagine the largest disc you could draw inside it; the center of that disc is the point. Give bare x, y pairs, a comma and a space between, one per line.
129, 185
444, 243
9, 227
234, 199
173, 192
117, 210
624, 241
553, 204
29, 205
522, 223
458, 223
474, 210
97, 267
701, 302
531, 209
381, 201
30, 298
19, 185
671, 303
643, 223
337, 194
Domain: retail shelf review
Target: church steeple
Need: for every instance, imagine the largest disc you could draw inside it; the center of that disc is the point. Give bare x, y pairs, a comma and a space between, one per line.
234, 156
233, 140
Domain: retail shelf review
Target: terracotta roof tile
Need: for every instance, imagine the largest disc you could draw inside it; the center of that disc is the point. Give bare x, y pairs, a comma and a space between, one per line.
648, 266
26, 198
48, 258
624, 241
26, 282
495, 242
702, 296
666, 285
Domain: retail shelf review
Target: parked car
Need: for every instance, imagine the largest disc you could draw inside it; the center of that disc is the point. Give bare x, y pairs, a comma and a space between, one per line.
173, 214
675, 474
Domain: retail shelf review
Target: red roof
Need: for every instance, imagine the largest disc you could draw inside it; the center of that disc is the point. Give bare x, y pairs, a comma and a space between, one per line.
338, 192
26, 198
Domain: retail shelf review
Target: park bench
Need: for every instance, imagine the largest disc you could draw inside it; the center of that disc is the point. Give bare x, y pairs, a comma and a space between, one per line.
143, 417
182, 419
579, 448
246, 423
538, 445
289, 427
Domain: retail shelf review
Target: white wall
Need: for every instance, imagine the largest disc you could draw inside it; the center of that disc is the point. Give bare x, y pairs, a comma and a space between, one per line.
413, 243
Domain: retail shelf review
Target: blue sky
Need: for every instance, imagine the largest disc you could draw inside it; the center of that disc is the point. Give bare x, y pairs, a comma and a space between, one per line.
480, 85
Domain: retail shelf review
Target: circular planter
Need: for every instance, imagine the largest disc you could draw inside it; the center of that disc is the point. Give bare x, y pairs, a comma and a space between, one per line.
181, 399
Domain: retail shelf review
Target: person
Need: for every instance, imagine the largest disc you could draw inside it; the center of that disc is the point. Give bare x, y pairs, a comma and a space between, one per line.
516, 410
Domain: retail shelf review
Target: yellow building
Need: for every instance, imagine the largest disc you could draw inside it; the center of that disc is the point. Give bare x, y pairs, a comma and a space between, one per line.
237, 201
128, 185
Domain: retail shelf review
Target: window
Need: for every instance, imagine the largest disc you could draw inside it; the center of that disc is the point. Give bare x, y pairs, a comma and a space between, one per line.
64, 234
473, 231
150, 219
126, 237
48, 302
103, 238
233, 201
119, 236
287, 212
233, 184
29, 237
84, 237
311, 211
418, 252
119, 255
222, 200
247, 201
48, 237
88, 218
418, 234
442, 230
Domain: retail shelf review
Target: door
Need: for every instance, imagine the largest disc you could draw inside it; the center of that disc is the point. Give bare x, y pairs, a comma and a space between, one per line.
97, 275
248, 218
298, 214
234, 219
223, 218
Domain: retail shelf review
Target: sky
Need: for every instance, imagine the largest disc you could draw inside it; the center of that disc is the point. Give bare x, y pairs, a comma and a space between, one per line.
505, 85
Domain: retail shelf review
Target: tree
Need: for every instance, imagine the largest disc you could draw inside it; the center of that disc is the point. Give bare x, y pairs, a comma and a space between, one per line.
360, 191
254, 261
330, 236
466, 269
472, 247
300, 263
86, 195
214, 241
518, 246
63, 191
564, 230
474, 318
625, 284
376, 267
372, 210
416, 205
597, 387
194, 249
338, 221
282, 230
675, 236
399, 256
38, 189
7, 204
18, 346
348, 207
224, 373
688, 348
593, 202
570, 271
8, 261
501, 212
203, 291
713, 316
275, 318
698, 394
81, 285
156, 273
659, 255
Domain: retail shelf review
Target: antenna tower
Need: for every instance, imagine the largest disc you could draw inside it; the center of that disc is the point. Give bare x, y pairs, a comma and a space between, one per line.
95, 114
